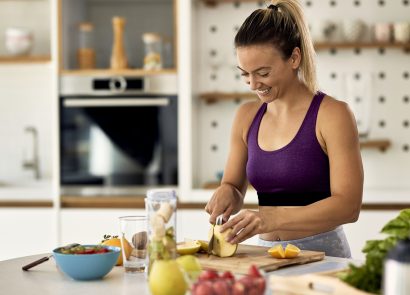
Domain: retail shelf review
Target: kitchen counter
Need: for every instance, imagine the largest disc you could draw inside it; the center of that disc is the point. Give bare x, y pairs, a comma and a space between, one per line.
46, 279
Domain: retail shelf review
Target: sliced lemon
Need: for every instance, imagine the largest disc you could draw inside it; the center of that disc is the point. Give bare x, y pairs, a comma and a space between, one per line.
188, 247
277, 251
291, 251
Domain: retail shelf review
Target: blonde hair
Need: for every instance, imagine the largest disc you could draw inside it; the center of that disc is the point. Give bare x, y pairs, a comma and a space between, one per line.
282, 24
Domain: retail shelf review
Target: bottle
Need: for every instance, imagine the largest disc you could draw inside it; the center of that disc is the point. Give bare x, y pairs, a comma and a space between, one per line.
153, 51
86, 52
396, 274
118, 56
161, 205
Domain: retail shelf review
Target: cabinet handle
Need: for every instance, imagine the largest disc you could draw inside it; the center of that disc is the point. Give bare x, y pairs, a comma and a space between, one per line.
116, 102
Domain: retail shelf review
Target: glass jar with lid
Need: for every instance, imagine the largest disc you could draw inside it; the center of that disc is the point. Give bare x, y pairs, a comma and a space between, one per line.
153, 51
161, 205
86, 52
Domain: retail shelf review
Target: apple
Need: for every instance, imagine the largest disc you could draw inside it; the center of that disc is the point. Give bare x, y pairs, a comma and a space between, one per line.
166, 278
190, 264
227, 275
253, 271
221, 247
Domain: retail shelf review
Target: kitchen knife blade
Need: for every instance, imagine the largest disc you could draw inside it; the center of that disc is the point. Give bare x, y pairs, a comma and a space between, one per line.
211, 241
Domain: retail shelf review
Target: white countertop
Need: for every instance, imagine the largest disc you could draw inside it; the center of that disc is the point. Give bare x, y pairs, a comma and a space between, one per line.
47, 279
26, 190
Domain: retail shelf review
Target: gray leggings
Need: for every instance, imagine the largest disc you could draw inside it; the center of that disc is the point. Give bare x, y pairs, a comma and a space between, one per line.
333, 243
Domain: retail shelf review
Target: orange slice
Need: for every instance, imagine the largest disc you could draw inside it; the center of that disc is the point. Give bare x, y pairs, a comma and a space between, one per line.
291, 251
277, 251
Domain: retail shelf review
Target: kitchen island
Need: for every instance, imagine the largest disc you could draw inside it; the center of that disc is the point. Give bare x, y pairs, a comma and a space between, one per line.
47, 279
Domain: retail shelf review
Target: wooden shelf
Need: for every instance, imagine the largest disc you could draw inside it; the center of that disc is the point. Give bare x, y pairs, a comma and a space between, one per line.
5, 59
360, 45
212, 97
109, 72
382, 144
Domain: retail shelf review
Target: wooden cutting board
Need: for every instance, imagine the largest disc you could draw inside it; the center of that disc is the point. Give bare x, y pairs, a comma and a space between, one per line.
249, 254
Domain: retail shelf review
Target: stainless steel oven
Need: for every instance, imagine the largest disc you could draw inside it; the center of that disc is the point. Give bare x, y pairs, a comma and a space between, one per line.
118, 135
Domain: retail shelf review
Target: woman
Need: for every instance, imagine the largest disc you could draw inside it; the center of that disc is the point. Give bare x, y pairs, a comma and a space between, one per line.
298, 147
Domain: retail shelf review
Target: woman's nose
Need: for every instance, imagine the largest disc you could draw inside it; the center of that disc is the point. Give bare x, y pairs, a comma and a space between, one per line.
253, 83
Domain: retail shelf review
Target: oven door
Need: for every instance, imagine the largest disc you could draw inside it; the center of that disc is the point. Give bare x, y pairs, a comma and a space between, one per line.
118, 144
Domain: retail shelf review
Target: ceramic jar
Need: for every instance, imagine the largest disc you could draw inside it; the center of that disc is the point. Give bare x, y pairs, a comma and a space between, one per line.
19, 41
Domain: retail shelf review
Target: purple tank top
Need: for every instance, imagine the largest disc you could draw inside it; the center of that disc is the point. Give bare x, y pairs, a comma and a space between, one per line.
294, 175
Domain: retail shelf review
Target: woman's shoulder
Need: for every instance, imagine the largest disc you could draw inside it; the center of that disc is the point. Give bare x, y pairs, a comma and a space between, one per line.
334, 113
245, 115
248, 110
333, 108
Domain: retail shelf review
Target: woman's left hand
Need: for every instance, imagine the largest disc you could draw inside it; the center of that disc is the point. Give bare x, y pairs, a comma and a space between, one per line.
244, 226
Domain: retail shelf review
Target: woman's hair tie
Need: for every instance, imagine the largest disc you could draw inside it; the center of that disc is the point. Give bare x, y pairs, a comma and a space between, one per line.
273, 7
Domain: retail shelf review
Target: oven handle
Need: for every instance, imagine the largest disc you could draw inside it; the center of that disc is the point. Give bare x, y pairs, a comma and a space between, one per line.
116, 102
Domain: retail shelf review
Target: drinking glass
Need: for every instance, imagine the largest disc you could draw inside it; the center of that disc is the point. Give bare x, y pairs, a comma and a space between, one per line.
134, 238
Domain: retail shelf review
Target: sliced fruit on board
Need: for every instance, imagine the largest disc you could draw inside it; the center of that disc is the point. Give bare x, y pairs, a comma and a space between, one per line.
188, 247
291, 251
221, 247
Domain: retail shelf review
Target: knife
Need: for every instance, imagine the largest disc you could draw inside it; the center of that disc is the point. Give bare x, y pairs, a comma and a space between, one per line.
44, 259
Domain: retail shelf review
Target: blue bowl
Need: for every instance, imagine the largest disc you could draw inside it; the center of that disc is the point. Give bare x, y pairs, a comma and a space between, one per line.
85, 267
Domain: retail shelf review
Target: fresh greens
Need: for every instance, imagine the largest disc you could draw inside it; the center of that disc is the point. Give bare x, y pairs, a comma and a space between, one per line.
368, 277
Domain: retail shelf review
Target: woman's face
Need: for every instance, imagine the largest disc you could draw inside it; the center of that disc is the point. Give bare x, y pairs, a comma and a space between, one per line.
265, 70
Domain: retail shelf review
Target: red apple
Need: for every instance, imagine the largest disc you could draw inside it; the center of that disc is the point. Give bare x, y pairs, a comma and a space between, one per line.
260, 284
227, 275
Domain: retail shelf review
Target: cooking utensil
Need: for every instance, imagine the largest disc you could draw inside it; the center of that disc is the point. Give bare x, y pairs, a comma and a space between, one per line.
250, 254
44, 259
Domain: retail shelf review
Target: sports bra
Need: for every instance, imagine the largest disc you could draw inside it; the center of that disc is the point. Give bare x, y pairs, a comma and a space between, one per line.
294, 175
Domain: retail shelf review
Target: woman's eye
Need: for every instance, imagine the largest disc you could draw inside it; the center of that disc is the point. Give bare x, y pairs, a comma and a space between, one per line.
244, 74
264, 75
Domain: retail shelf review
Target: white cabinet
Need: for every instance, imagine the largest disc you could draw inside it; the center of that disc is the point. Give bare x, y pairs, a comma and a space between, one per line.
26, 231
368, 227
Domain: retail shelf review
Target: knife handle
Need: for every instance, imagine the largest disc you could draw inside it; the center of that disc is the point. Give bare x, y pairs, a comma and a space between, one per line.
37, 262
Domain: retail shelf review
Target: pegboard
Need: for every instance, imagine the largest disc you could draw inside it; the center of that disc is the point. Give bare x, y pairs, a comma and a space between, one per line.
374, 82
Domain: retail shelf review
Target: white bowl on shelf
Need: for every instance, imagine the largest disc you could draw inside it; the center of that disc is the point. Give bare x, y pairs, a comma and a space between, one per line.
19, 41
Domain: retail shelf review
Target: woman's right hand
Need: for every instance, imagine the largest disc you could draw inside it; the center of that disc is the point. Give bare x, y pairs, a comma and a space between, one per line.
226, 200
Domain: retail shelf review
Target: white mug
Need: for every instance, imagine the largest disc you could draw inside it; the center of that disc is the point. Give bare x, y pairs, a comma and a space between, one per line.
401, 32
383, 32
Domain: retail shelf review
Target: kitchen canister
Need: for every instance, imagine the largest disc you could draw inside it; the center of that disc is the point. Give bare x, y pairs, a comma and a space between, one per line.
153, 51
161, 206
396, 274
86, 51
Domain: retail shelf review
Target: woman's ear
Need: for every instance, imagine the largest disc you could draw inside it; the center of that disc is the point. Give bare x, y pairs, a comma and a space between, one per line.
295, 58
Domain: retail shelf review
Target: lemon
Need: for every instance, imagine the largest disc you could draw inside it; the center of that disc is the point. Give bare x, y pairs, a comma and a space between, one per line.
291, 251
188, 247
277, 251
116, 242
